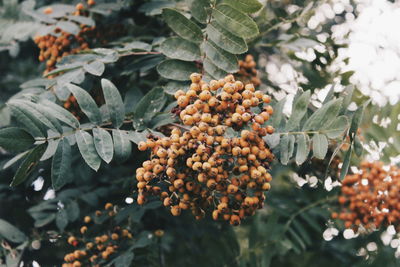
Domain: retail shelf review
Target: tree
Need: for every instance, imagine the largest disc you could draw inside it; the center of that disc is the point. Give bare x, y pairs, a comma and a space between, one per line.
140, 109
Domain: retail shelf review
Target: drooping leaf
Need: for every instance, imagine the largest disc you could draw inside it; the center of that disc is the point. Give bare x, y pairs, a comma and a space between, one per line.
337, 127
176, 69
114, 102
247, 6
86, 103
178, 48
303, 148
61, 165
182, 26
95, 67
320, 145
122, 145
15, 139
226, 40
88, 150
28, 165
299, 109
222, 59
104, 144
11, 233
235, 21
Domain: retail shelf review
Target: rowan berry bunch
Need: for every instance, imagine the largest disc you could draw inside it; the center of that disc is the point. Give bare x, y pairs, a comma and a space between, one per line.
370, 197
59, 44
248, 72
219, 161
96, 248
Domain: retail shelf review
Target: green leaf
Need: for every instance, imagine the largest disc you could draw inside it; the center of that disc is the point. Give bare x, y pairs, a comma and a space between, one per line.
60, 113
226, 40
88, 150
173, 86
347, 98
114, 102
11, 233
178, 48
68, 26
72, 209
278, 117
132, 97
137, 137
41, 114
320, 145
222, 59
176, 69
198, 9
323, 116
15, 159
148, 106
104, 144
235, 21
337, 127
346, 163
182, 26
50, 150
299, 109
95, 67
358, 147
86, 103
213, 70
122, 145
28, 165
356, 120
27, 120
62, 220
14, 139
61, 165
284, 149
247, 6
303, 148
124, 259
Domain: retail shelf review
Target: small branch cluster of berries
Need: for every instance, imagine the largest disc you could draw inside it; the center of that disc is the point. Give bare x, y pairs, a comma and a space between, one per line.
96, 249
248, 72
55, 46
370, 197
220, 162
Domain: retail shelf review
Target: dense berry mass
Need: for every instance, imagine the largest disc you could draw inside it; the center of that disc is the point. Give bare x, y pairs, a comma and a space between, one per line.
369, 197
216, 162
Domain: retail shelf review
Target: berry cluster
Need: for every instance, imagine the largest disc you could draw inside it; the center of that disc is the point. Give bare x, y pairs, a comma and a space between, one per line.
96, 249
60, 44
219, 160
370, 197
248, 72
